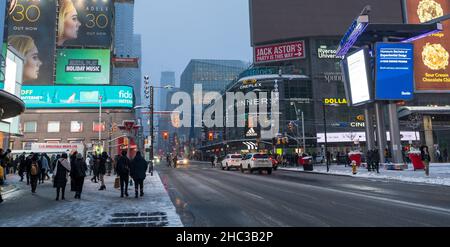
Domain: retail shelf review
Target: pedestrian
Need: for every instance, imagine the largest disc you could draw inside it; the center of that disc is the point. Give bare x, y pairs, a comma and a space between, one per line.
44, 169
376, 160
22, 166
369, 160
445, 155
88, 164
78, 173
138, 171
60, 176
175, 160
426, 158
34, 172
213, 160
123, 169
102, 170
96, 163
168, 160
109, 165
52, 162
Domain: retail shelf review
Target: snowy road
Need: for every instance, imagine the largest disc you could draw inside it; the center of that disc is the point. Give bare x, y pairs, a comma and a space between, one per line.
205, 196
97, 208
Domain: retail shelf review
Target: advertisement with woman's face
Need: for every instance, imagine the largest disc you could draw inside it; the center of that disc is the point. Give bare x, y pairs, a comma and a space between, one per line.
84, 23
31, 32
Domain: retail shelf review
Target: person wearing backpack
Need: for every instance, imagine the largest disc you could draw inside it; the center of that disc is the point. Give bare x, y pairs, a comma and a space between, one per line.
123, 169
44, 169
34, 172
60, 175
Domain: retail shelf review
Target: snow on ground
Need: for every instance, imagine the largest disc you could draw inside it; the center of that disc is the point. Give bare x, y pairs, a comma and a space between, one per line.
96, 208
439, 173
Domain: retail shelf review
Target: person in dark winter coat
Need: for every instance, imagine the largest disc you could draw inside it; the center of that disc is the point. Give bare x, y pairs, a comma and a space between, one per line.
138, 170
35, 172
123, 169
376, 160
96, 163
426, 158
102, 170
78, 173
60, 175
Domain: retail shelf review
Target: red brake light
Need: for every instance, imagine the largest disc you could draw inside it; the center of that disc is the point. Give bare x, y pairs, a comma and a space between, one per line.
254, 159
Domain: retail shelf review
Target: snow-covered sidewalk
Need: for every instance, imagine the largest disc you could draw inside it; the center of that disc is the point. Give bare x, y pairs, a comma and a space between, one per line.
96, 208
439, 173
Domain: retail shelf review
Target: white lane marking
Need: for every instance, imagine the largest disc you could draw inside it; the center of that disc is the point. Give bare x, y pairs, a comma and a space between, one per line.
253, 195
403, 203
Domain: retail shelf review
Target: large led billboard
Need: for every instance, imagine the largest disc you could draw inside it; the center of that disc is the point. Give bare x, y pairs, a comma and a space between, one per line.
66, 97
394, 71
31, 31
431, 53
82, 66
85, 23
357, 71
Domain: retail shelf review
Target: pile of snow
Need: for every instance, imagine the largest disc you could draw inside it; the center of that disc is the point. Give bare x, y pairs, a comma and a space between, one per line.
439, 173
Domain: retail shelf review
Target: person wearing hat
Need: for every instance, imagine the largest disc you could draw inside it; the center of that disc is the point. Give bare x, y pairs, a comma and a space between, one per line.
78, 173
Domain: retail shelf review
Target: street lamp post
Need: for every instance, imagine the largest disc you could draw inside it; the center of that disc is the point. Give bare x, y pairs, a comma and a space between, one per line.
326, 139
100, 121
149, 93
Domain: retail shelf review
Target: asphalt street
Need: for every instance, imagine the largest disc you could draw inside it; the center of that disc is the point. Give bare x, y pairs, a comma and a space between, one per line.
205, 196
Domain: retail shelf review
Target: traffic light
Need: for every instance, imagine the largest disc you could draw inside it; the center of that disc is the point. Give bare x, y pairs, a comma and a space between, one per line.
211, 136
166, 135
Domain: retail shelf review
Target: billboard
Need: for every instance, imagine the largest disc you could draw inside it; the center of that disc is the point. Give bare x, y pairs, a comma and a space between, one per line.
82, 66
357, 71
279, 52
31, 31
67, 97
85, 23
290, 19
432, 53
394, 71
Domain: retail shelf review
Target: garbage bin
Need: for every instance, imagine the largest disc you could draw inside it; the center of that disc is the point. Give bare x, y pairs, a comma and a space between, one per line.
355, 156
416, 159
307, 163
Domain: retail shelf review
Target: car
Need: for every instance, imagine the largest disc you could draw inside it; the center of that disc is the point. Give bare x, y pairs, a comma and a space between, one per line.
256, 162
231, 161
181, 161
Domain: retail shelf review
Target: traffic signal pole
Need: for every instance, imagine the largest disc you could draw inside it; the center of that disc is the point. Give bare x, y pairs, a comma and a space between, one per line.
151, 128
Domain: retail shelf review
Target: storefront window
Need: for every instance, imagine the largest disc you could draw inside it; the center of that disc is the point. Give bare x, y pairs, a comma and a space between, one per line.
53, 127
30, 127
76, 126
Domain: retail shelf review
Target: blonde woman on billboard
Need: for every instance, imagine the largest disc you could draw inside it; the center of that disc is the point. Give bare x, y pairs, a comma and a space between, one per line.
26, 46
68, 22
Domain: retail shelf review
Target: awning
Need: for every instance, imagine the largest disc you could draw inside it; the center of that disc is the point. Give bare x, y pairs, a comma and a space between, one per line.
426, 110
11, 105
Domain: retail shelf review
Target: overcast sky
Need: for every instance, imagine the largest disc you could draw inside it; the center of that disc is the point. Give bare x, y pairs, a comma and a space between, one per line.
175, 31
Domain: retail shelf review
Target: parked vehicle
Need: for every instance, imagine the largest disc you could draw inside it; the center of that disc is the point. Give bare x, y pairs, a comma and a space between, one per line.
256, 162
231, 161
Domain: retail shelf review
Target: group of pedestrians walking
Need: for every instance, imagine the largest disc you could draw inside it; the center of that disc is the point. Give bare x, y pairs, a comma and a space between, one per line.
36, 168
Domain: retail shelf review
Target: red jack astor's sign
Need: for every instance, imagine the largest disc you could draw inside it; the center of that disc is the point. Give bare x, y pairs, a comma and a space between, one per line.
279, 52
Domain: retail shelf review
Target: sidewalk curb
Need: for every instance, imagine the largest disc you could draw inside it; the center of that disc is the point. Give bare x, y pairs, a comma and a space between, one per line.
320, 173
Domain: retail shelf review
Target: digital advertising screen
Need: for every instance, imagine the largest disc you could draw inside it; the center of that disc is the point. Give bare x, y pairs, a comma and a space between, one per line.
31, 31
432, 54
358, 77
83, 66
394, 72
85, 23
67, 97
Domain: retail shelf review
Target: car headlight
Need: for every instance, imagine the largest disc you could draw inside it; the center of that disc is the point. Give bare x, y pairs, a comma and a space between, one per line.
185, 161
